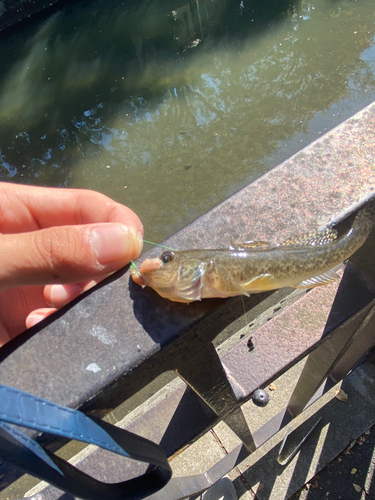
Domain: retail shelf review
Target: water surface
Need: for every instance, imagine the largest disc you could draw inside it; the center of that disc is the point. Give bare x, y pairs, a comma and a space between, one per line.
171, 109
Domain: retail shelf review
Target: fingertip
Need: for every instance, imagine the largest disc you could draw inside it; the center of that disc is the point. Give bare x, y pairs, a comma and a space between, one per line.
66, 254
115, 244
38, 315
57, 296
123, 214
89, 284
4, 338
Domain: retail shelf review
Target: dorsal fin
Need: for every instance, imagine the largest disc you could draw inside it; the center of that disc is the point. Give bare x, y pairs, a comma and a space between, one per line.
314, 238
248, 244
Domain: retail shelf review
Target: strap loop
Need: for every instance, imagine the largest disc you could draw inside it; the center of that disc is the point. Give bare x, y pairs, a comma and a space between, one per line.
21, 408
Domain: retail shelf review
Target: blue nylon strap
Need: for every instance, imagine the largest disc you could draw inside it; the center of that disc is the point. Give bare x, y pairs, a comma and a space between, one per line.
21, 408
29, 443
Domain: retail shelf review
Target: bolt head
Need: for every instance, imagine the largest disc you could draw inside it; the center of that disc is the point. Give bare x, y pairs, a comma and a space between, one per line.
260, 397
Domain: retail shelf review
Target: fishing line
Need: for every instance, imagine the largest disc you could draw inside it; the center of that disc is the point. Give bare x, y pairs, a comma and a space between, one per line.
157, 245
244, 310
173, 249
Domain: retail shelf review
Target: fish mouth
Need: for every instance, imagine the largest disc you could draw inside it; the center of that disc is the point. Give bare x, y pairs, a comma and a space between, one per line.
141, 275
180, 284
149, 265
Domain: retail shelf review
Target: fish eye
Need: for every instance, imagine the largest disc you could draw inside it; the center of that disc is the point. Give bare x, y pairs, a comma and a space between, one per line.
167, 257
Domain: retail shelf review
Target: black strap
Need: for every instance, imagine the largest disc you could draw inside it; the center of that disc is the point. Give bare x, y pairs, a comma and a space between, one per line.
21, 408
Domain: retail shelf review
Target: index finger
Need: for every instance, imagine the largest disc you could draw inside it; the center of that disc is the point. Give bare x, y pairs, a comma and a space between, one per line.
29, 208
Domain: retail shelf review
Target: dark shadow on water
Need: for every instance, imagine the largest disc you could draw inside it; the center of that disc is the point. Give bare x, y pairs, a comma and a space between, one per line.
124, 85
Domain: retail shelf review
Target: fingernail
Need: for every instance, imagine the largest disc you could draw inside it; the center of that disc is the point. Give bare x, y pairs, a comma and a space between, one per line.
62, 294
115, 242
33, 319
38, 315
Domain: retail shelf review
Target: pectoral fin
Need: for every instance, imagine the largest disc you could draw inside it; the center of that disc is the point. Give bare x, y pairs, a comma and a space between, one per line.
225, 283
262, 283
321, 279
190, 290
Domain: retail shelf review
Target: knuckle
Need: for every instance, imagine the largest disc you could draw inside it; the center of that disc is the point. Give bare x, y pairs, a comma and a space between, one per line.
58, 248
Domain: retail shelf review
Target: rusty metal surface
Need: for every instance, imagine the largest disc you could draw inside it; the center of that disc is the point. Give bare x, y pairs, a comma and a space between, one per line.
296, 330
279, 342
360, 345
88, 351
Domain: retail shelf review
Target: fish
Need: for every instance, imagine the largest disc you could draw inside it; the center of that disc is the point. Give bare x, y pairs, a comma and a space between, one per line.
303, 261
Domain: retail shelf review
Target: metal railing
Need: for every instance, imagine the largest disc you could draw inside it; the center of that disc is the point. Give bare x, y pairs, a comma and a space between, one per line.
117, 338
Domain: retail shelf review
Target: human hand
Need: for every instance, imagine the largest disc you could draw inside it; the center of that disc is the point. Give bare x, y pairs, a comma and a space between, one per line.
55, 244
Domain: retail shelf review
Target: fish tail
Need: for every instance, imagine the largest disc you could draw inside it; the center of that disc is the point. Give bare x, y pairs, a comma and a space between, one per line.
357, 229
365, 219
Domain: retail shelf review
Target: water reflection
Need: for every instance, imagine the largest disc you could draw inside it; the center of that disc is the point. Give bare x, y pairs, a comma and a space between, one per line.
170, 109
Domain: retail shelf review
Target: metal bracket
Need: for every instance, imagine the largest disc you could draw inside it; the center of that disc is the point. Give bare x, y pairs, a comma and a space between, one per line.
285, 460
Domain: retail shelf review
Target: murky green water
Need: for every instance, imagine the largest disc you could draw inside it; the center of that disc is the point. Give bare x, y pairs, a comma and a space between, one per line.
171, 109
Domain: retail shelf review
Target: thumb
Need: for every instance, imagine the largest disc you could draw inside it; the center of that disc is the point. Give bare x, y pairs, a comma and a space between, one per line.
66, 254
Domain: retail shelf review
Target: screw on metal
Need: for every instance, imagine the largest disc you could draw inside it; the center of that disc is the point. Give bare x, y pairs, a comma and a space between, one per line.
260, 398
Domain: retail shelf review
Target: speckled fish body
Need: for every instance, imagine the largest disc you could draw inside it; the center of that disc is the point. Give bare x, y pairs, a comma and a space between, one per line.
302, 262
